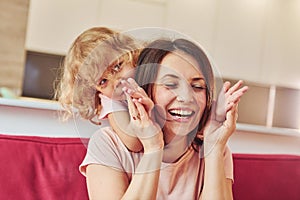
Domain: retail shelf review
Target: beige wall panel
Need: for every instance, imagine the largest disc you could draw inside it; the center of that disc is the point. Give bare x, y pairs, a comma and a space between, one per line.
13, 20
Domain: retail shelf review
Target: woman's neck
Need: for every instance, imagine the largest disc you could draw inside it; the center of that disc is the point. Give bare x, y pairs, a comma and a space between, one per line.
175, 149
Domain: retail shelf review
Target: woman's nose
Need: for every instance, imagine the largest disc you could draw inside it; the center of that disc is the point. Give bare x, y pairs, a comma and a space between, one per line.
184, 93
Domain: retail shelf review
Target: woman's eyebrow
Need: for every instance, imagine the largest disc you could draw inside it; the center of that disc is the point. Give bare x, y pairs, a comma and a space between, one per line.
170, 76
198, 79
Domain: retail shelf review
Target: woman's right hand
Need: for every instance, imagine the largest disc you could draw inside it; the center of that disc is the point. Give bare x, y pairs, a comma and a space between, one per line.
141, 124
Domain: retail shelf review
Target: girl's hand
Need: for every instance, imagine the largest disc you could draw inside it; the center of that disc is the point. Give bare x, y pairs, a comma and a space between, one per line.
138, 94
222, 123
140, 107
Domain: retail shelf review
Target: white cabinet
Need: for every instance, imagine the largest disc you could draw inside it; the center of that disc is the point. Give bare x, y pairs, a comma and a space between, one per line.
239, 39
254, 40
54, 24
281, 58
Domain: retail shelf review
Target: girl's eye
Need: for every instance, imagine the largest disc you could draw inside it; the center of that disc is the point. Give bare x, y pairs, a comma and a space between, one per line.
103, 82
117, 67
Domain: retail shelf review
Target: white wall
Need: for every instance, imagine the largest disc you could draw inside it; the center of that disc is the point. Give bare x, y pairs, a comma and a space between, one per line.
26, 116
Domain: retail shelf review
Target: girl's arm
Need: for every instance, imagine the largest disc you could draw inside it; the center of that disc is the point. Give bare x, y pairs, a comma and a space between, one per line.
118, 117
107, 183
119, 121
216, 135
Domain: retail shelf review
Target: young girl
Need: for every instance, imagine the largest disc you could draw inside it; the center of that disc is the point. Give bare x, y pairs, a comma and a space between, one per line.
96, 62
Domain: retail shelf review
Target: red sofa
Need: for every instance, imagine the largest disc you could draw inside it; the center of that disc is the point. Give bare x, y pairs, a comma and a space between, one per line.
47, 168
263, 177
41, 168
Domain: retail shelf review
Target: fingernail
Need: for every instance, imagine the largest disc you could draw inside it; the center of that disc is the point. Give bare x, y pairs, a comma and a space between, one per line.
134, 118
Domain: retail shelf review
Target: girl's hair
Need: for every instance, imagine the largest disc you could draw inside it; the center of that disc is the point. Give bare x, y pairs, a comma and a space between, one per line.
91, 54
149, 63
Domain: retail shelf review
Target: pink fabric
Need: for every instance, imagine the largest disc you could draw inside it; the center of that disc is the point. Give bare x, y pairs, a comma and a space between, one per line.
180, 180
41, 168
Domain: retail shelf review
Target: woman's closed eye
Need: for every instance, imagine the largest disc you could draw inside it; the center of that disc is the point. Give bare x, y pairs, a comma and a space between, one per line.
199, 87
171, 84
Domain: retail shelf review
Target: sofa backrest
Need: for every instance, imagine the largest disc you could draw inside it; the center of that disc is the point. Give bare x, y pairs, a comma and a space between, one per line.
47, 168
266, 176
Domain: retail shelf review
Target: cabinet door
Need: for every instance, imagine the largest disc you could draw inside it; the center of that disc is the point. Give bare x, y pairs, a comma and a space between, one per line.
54, 24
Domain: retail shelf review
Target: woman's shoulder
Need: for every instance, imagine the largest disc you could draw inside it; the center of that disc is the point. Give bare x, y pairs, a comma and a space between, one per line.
106, 136
106, 148
104, 132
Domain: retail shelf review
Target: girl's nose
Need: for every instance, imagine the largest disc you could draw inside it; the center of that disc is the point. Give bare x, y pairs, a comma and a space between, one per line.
117, 82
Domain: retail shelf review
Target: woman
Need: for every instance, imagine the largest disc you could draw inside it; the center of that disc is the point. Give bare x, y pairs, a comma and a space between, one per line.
178, 78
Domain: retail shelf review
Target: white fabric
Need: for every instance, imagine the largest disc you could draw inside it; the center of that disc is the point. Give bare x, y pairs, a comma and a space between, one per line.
109, 105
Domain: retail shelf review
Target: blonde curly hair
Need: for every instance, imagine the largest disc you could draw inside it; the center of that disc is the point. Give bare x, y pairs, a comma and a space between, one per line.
90, 55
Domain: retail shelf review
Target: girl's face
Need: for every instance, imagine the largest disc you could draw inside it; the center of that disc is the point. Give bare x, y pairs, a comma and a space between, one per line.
180, 94
109, 84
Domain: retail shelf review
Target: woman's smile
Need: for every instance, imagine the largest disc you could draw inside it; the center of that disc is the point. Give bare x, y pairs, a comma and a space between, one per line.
180, 114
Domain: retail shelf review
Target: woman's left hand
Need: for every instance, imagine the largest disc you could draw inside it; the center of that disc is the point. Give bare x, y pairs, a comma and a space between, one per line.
224, 115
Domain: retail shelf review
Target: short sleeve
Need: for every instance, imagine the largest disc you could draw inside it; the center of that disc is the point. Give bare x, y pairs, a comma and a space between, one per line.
228, 163
110, 105
102, 149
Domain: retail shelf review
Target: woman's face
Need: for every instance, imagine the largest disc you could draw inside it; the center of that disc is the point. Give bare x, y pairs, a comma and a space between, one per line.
180, 94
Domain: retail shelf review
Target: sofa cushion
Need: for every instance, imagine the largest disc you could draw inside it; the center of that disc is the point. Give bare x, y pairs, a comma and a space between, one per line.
266, 176
41, 168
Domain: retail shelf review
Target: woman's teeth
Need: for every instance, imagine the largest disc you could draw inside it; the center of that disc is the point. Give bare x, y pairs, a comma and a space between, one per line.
181, 113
